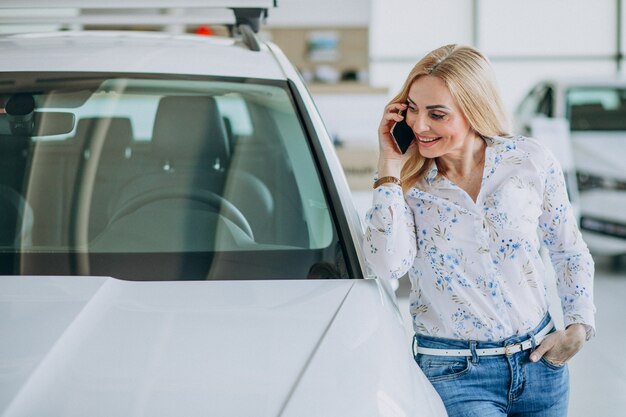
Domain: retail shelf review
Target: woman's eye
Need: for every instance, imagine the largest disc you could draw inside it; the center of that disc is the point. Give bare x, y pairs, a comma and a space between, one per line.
412, 109
437, 116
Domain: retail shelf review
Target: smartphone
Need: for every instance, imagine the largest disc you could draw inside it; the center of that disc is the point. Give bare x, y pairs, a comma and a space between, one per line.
403, 134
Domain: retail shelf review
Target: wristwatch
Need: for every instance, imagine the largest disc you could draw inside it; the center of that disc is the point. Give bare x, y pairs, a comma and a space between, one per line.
386, 180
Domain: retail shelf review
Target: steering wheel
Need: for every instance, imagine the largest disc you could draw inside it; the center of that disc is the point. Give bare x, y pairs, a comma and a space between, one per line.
219, 204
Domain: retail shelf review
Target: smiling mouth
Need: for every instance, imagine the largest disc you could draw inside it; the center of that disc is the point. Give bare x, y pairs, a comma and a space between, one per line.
428, 140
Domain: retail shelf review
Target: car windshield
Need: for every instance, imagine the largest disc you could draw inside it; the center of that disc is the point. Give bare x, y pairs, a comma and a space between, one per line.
160, 178
597, 108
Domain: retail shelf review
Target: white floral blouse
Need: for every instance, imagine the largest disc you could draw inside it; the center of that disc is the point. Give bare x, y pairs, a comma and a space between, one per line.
475, 268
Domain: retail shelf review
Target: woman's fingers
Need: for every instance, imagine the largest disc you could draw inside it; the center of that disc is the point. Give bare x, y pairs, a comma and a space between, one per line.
559, 347
393, 112
545, 346
391, 116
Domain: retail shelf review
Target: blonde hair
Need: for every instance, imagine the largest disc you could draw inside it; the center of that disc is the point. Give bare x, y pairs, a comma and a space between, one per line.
470, 79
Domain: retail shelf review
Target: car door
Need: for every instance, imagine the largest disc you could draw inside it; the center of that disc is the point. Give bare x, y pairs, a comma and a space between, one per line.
538, 102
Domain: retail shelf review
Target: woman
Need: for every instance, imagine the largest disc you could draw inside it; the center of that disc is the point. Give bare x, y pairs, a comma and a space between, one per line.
464, 212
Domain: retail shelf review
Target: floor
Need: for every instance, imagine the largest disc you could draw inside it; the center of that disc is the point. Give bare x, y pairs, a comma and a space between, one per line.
598, 371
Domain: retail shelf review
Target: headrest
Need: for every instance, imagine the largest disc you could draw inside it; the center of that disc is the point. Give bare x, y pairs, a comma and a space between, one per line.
190, 129
117, 131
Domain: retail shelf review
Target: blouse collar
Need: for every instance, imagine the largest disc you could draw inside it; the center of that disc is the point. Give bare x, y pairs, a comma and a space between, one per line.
433, 178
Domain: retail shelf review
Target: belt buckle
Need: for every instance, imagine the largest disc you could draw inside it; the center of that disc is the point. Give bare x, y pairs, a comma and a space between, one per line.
508, 349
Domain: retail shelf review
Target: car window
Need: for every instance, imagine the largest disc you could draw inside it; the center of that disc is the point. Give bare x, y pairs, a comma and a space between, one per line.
545, 106
527, 107
539, 101
165, 178
597, 108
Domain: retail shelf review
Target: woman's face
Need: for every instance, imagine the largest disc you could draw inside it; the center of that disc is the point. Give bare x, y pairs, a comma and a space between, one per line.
439, 125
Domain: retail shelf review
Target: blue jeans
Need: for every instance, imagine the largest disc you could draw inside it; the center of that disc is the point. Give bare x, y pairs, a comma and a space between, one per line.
490, 386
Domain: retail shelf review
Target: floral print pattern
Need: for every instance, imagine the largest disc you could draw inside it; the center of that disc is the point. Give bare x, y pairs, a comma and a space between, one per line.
475, 267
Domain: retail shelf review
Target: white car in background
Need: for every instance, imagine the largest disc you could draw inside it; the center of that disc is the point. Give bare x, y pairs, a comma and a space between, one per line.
595, 111
171, 209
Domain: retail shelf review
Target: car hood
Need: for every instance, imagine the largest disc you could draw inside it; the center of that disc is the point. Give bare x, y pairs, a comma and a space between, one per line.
93, 346
600, 153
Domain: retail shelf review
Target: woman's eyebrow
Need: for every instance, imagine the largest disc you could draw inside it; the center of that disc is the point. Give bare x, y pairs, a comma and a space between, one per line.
431, 107
438, 106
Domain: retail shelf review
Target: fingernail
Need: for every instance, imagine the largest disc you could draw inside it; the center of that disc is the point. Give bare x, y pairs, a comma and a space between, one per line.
533, 358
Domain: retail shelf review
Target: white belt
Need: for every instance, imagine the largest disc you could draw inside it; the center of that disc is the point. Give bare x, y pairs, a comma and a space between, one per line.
506, 350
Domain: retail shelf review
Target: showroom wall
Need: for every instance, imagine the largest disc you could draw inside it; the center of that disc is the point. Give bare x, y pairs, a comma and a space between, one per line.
526, 40
320, 12
350, 110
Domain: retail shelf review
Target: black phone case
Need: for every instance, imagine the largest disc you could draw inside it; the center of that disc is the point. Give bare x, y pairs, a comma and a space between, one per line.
403, 135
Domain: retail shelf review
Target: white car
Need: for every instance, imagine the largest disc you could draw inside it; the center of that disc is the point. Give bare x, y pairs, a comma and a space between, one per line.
595, 111
171, 209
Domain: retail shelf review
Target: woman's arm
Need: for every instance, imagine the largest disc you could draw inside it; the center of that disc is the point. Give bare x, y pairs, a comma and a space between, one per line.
573, 266
390, 243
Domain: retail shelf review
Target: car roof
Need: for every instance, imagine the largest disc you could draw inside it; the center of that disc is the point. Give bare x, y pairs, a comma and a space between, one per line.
136, 52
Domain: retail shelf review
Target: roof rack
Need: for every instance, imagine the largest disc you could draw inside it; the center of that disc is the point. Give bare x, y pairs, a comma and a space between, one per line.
248, 14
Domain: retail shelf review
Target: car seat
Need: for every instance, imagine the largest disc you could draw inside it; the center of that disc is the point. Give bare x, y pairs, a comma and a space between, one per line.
105, 142
190, 150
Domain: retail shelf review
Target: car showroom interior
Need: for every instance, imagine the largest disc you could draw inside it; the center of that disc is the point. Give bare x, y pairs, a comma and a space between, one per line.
96, 102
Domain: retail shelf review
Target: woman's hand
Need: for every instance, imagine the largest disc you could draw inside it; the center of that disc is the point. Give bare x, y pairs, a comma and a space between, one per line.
561, 346
391, 159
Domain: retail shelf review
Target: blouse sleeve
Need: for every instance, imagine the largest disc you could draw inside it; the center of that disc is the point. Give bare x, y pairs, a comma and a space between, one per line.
573, 264
390, 244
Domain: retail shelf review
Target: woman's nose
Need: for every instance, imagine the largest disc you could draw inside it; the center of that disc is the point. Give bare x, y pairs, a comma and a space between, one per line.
419, 123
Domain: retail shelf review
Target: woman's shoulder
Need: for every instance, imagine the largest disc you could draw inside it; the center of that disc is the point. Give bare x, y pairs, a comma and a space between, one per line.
530, 149
517, 139
519, 142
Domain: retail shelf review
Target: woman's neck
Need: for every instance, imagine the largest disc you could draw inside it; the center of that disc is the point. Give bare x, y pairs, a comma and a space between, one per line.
463, 163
